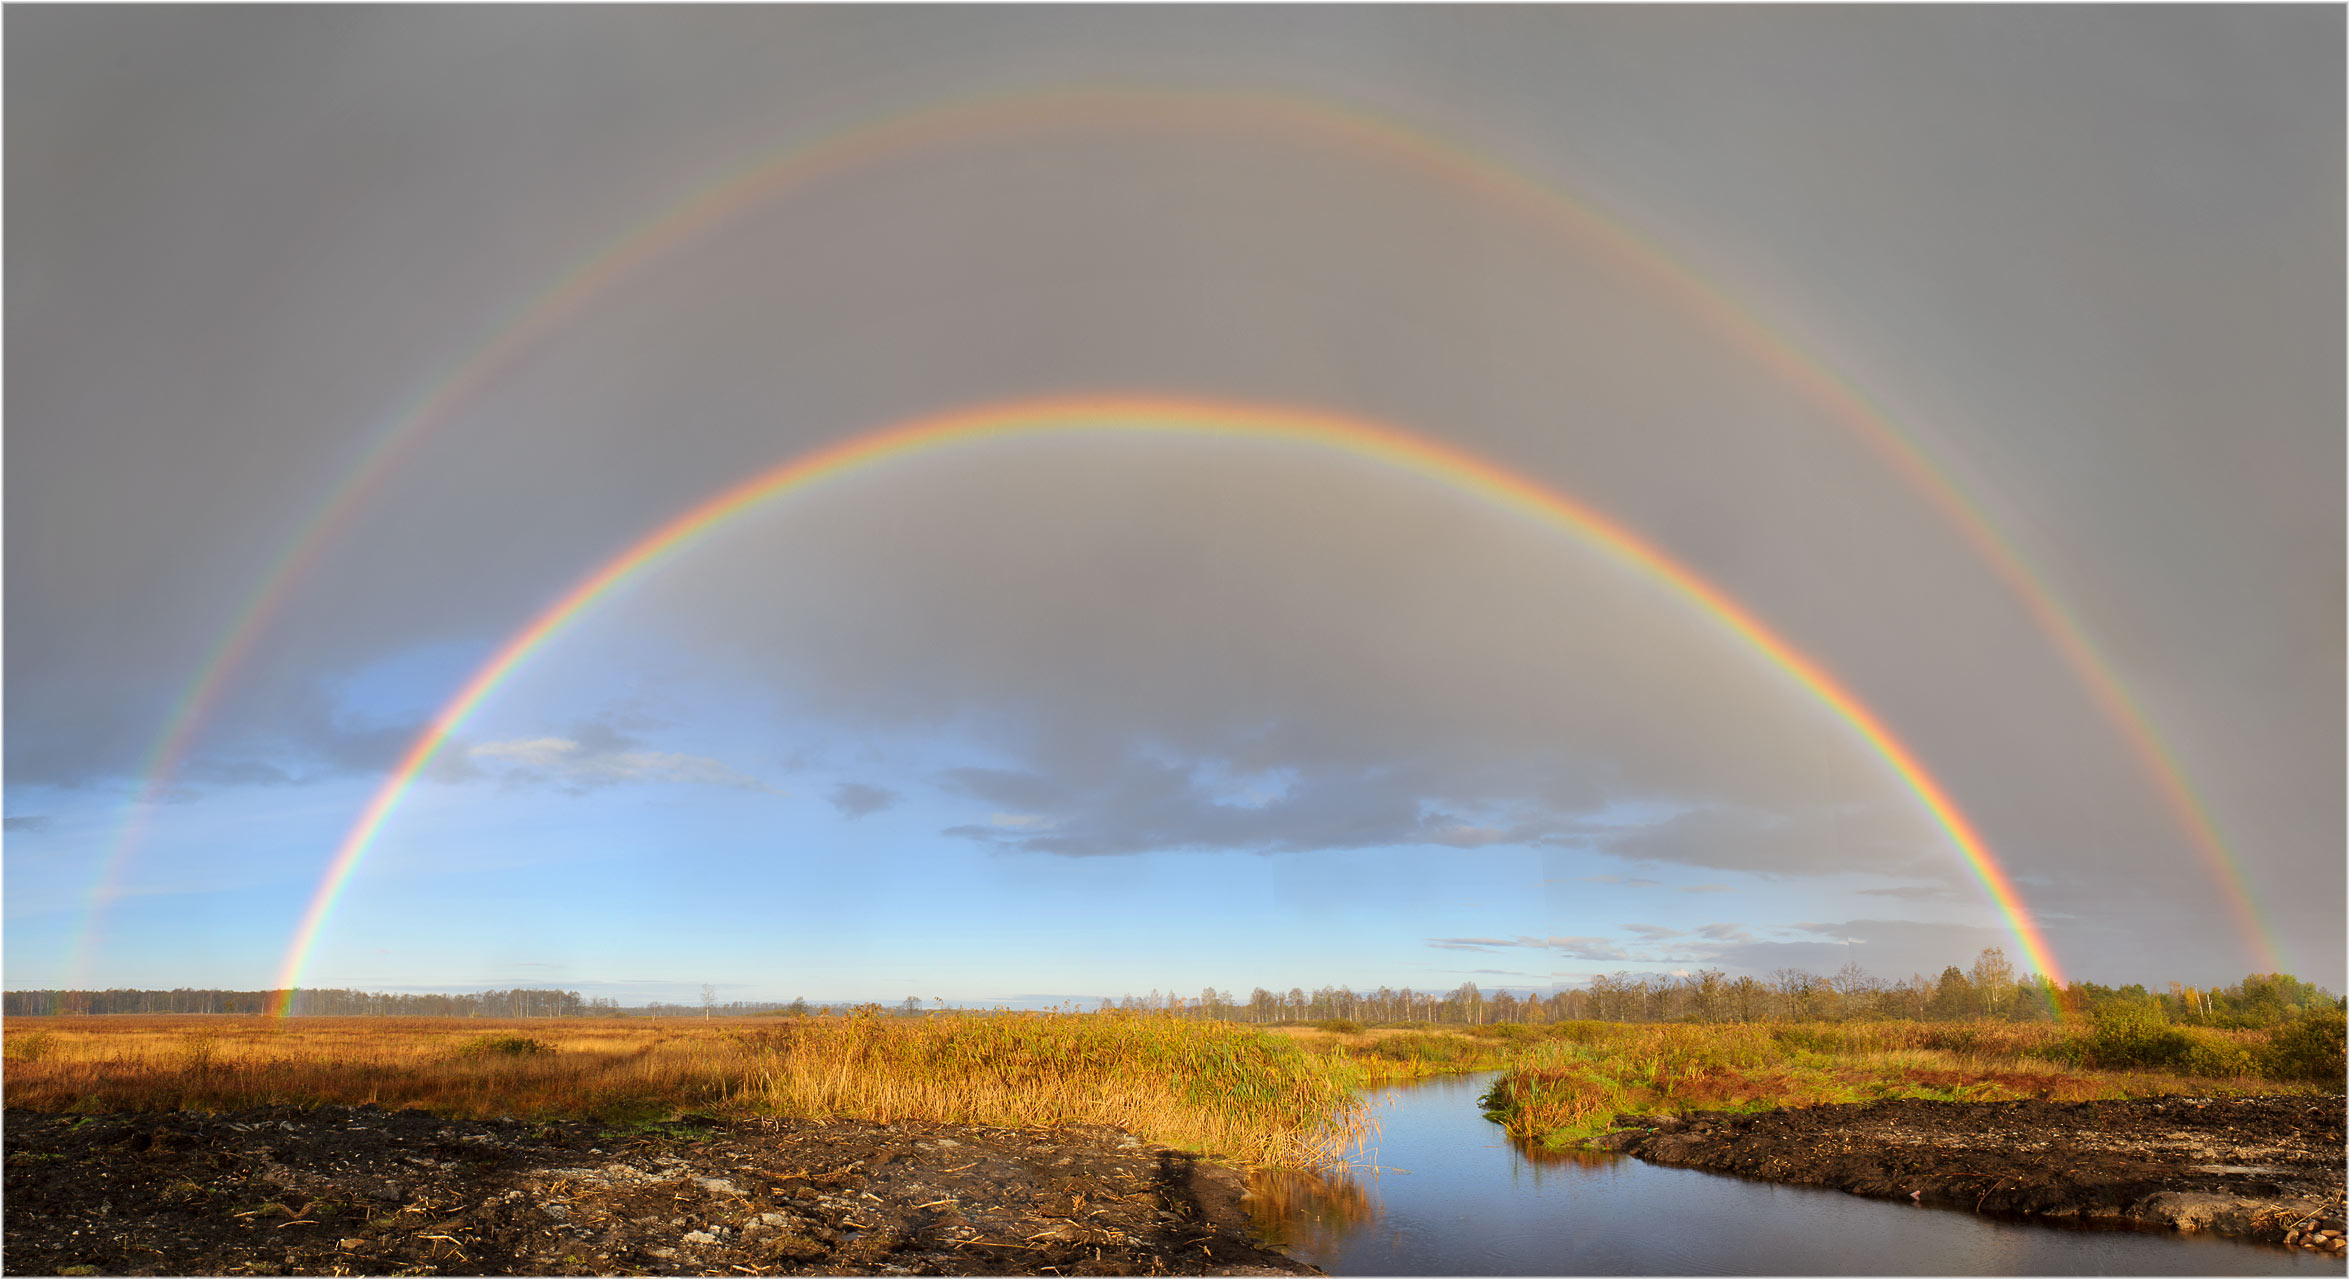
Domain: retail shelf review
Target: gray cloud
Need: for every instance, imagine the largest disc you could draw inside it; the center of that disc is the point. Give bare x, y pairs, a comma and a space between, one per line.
598, 755
29, 822
1149, 806
1568, 948
1013, 788
2033, 304
1813, 839
856, 799
1917, 892
1889, 949
1589, 949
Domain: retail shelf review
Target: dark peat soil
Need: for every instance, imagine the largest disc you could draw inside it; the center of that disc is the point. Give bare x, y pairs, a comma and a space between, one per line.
2263, 1168
361, 1191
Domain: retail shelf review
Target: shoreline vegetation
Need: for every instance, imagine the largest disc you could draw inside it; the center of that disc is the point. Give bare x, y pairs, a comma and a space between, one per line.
1570, 1083
1240, 1094
1258, 1096
594, 1115
1275, 1081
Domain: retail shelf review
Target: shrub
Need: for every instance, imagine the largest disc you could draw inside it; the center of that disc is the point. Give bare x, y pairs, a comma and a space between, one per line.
1343, 1026
2134, 1033
1811, 1036
2308, 1048
30, 1046
197, 1050
2211, 1054
510, 1046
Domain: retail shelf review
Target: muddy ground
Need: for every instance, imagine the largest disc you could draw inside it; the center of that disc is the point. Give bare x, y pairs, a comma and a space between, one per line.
2267, 1169
361, 1191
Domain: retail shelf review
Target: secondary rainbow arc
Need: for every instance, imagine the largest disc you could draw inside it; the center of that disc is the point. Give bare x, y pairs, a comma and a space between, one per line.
719, 203
1377, 442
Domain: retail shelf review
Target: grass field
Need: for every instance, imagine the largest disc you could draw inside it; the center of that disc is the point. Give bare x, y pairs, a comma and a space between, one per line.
1244, 1094
1282, 1096
1572, 1081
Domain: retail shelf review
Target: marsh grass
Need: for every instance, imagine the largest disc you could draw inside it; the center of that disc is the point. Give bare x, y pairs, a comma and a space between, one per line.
1406, 1053
1573, 1082
27, 1046
1234, 1092
1287, 1096
1259, 1098
512, 1046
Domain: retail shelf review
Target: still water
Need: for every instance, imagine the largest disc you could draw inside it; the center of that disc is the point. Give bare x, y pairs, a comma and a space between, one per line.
1443, 1191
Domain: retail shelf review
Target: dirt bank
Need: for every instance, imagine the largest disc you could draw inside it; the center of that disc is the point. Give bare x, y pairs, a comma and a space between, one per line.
362, 1191
2268, 1168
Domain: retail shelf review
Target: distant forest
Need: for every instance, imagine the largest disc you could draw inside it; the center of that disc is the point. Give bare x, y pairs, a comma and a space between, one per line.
1989, 988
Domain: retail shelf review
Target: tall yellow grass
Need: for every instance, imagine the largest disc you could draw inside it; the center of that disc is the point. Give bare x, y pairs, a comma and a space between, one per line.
1233, 1092
1252, 1096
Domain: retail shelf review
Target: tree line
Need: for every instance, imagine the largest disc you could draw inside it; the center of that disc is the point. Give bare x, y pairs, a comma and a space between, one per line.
520, 1002
1989, 988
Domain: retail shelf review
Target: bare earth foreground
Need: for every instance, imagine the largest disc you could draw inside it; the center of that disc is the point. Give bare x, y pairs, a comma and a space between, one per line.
342, 1190
2263, 1168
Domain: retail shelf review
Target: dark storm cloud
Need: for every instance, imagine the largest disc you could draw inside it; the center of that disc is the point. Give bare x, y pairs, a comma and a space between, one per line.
856, 799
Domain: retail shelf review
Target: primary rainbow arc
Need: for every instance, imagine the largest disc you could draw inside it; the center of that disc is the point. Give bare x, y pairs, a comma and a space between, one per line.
1162, 415
716, 205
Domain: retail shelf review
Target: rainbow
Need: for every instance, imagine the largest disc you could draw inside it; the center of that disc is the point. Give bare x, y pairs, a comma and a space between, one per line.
1152, 415
719, 203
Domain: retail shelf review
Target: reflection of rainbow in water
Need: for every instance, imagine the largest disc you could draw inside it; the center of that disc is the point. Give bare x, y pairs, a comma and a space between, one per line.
1385, 446
1257, 115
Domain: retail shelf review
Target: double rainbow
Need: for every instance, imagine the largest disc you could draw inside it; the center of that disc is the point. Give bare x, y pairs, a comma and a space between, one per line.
719, 204
1190, 418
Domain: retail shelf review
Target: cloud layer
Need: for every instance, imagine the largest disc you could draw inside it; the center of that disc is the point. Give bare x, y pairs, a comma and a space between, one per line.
2086, 263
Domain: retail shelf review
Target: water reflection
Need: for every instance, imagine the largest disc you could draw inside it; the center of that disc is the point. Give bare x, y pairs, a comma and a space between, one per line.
1442, 1191
1302, 1212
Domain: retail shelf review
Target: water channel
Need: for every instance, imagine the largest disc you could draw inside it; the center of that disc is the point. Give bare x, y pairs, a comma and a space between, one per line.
1443, 1191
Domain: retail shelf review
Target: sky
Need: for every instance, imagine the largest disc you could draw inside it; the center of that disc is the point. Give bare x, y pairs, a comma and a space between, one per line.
1809, 301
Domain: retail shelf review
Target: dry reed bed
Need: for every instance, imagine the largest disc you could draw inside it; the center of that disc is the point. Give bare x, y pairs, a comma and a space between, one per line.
1573, 1083
1234, 1092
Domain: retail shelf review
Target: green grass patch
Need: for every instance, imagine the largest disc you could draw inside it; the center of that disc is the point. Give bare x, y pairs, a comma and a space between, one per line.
1566, 1088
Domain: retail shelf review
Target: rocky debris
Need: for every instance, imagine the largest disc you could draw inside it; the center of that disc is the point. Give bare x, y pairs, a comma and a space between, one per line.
2264, 1169
341, 1190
